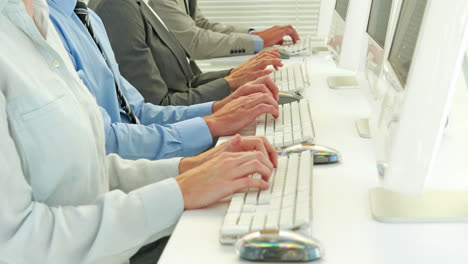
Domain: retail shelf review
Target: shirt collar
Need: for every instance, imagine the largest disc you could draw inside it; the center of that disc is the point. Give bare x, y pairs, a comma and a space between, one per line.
66, 6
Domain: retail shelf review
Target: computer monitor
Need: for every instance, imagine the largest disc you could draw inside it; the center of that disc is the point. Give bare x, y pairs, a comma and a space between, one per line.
346, 39
424, 61
376, 34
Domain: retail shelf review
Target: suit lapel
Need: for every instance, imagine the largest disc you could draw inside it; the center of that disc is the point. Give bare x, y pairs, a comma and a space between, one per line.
168, 39
187, 6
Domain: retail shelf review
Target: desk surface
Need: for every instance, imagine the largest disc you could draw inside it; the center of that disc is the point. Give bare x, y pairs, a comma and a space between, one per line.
341, 217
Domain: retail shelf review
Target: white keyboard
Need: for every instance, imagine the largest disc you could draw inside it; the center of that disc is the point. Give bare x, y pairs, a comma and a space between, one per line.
286, 204
293, 126
295, 48
291, 78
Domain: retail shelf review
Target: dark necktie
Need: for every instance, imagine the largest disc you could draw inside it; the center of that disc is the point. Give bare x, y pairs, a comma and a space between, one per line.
81, 11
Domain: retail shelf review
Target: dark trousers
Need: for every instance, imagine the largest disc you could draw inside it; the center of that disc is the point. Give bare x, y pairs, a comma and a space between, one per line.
150, 253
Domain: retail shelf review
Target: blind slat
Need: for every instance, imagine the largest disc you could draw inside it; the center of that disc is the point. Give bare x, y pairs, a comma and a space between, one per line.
262, 14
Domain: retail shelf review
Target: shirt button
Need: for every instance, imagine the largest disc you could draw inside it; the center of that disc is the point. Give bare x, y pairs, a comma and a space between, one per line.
55, 63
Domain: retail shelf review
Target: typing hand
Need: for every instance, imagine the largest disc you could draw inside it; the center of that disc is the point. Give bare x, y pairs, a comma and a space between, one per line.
274, 35
222, 176
234, 144
239, 113
262, 85
253, 68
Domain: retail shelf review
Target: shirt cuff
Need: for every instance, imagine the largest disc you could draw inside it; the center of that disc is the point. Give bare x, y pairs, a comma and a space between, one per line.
258, 43
163, 203
200, 110
195, 136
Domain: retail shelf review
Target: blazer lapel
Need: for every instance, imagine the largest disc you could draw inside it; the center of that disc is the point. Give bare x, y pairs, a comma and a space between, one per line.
170, 41
187, 6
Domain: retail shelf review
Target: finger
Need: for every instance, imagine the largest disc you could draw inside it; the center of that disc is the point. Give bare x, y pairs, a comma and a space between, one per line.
257, 74
260, 144
247, 182
264, 109
254, 166
250, 88
253, 144
259, 98
272, 153
270, 85
265, 62
235, 140
293, 34
267, 53
247, 163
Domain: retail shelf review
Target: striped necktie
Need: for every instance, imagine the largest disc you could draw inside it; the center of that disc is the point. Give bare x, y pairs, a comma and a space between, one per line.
81, 10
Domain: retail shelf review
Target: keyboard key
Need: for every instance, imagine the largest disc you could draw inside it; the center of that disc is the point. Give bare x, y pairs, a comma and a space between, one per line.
258, 222
286, 218
272, 221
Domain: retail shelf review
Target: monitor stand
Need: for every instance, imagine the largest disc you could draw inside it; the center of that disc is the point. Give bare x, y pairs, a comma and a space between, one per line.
342, 82
362, 126
432, 206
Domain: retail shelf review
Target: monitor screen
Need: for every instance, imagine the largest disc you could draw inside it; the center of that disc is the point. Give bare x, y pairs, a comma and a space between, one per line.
378, 20
342, 8
406, 36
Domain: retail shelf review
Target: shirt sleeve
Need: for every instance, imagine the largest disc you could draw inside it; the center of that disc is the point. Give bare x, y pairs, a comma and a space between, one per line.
108, 230
258, 43
181, 139
129, 175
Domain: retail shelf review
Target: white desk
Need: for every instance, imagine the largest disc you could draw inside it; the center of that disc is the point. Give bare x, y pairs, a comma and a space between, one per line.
342, 219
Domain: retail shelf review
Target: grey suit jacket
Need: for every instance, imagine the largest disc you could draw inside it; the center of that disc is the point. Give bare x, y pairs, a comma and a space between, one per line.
153, 60
200, 37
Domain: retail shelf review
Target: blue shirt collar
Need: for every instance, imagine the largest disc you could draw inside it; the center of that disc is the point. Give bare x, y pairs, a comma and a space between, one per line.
66, 6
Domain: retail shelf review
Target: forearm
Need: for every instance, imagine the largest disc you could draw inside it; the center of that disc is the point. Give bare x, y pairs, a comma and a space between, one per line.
155, 142
129, 175
207, 77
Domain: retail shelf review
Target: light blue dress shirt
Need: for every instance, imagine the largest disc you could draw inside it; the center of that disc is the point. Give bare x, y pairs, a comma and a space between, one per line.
165, 131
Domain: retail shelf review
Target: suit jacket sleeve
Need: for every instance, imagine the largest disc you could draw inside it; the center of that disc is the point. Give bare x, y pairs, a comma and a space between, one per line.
199, 42
203, 22
205, 78
136, 61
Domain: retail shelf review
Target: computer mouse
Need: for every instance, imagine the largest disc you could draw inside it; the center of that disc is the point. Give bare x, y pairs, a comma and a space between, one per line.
283, 54
322, 154
286, 98
278, 246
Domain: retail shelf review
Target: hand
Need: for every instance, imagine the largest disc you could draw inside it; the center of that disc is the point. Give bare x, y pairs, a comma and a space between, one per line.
261, 85
239, 113
222, 176
234, 144
274, 35
253, 68
335, 41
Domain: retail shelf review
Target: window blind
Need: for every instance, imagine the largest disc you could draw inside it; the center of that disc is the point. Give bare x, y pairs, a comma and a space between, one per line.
262, 14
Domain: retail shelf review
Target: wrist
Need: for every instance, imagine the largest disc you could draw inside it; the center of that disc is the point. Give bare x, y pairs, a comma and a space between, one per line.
186, 164
231, 82
233, 70
211, 124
